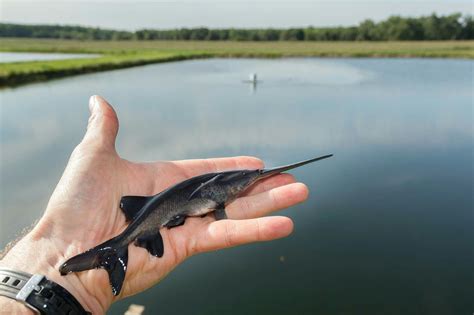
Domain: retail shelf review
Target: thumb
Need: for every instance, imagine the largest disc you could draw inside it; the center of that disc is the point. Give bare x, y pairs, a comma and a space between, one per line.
103, 123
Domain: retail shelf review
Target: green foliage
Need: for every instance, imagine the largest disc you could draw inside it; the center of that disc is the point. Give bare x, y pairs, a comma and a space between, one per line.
395, 28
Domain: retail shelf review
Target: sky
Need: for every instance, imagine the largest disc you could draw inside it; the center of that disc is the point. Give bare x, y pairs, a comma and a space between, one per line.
164, 14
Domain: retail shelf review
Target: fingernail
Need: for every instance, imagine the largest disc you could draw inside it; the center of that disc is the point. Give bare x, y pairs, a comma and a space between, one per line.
93, 102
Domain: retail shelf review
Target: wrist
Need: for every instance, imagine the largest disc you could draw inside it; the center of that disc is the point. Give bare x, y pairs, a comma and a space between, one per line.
36, 254
10, 306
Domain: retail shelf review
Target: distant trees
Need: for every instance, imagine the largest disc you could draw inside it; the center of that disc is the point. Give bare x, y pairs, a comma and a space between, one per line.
433, 27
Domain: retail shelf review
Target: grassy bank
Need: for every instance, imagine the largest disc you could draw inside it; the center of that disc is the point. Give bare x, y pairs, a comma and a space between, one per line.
122, 54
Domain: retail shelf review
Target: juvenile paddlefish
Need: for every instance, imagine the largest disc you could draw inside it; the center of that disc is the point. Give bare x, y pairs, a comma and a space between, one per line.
193, 197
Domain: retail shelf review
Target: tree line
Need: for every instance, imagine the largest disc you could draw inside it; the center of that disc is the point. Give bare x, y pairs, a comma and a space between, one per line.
432, 27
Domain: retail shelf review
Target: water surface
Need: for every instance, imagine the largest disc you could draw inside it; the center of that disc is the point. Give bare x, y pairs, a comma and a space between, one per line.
28, 56
388, 226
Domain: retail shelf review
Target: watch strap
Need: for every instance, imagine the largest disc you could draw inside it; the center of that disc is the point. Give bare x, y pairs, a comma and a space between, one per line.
38, 293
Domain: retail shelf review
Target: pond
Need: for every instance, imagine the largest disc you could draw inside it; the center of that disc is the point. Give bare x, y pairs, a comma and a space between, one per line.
388, 224
28, 56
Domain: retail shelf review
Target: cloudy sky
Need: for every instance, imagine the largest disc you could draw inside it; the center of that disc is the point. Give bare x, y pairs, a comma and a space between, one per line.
132, 15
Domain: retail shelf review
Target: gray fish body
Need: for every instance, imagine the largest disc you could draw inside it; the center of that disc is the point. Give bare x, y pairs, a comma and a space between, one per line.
193, 197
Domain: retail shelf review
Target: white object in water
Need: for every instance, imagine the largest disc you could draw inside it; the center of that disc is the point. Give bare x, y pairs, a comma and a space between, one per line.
253, 77
135, 309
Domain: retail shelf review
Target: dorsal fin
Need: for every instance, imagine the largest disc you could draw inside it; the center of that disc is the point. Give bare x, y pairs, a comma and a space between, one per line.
131, 205
203, 185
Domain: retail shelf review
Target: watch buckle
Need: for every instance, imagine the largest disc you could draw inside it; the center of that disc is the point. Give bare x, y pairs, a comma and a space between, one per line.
31, 285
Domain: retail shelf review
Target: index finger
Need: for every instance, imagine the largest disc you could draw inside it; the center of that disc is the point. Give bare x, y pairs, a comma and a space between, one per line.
229, 233
201, 166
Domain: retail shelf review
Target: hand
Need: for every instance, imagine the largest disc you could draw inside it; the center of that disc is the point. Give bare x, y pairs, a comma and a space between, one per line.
84, 212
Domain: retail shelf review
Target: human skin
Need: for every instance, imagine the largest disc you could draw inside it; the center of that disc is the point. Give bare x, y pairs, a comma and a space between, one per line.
83, 211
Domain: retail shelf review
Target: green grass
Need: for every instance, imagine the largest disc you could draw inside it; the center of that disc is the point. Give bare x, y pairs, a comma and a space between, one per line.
122, 54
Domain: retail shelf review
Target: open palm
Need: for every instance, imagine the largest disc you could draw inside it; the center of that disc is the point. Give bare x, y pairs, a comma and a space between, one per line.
84, 208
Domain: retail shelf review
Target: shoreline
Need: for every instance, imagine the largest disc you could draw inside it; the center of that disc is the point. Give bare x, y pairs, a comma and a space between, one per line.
120, 55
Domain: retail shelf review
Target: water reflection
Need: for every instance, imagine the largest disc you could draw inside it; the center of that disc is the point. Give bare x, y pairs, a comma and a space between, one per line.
28, 56
388, 226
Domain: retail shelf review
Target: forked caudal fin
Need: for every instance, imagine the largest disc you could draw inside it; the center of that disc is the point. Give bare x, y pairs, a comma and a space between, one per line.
112, 259
273, 171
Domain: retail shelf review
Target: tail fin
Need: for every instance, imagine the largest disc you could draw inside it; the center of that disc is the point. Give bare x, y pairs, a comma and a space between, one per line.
272, 171
112, 259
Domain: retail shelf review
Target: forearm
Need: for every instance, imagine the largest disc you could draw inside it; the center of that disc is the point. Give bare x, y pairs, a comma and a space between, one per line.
10, 306
37, 254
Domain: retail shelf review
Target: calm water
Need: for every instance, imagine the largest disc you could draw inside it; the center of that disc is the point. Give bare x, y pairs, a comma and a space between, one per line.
388, 225
19, 57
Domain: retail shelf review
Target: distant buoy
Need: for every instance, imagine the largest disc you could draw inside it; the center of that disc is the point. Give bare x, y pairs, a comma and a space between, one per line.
252, 79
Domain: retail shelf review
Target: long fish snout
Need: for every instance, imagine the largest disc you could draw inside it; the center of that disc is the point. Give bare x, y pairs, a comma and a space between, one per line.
277, 170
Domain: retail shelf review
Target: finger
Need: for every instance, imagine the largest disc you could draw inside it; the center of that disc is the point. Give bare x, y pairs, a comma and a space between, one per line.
229, 233
269, 201
269, 183
103, 123
155, 176
202, 166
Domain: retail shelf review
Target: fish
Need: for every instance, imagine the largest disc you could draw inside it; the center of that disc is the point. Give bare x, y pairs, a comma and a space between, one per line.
193, 197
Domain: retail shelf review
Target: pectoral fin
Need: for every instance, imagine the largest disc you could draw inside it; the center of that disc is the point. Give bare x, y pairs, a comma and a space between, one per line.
219, 213
176, 221
131, 205
153, 244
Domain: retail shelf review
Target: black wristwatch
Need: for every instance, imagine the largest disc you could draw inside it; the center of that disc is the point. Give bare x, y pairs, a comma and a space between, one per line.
38, 293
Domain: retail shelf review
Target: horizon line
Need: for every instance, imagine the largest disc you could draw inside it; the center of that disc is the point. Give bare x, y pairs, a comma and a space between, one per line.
228, 27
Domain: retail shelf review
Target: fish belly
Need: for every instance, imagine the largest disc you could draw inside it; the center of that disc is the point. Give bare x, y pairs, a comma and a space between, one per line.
201, 207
